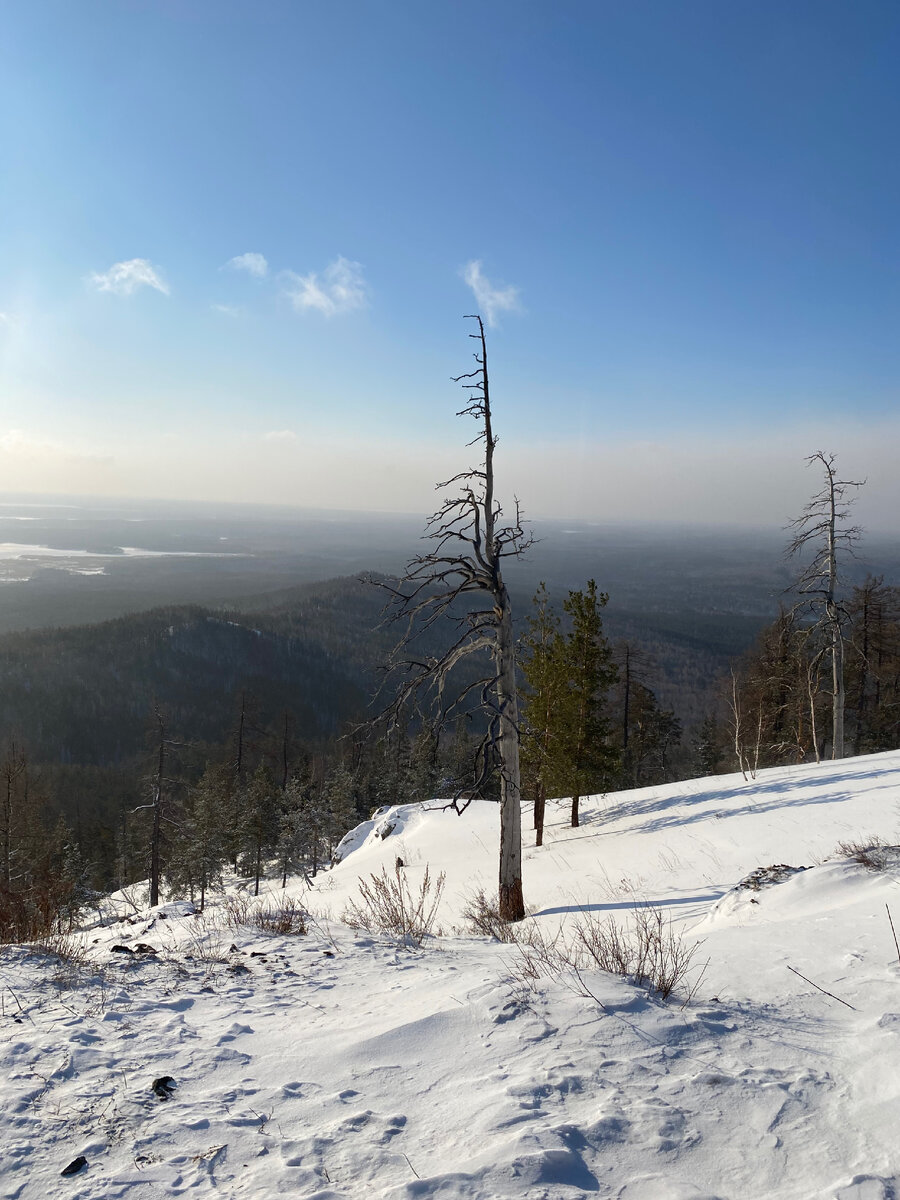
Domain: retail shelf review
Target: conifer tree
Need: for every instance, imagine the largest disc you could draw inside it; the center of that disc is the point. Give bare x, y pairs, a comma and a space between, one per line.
588, 759
197, 859
261, 811
545, 673
339, 803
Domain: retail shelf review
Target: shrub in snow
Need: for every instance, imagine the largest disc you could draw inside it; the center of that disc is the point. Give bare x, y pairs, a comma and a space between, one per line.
388, 904
871, 853
648, 952
285, 916
483, 917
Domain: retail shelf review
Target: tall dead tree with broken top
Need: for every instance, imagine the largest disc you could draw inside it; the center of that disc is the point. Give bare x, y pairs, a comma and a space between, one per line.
459, 581
823, 527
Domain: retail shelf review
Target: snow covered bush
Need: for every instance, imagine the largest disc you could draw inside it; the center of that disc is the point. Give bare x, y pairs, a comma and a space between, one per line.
388, 904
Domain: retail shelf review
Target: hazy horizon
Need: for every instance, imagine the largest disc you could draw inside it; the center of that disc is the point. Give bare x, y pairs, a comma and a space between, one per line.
237, 244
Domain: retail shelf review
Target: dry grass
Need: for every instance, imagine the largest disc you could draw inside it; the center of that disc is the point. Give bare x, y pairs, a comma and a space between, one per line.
285, 918
483, 918
647, 951
268, 916
388, 905
68, 949
873, 853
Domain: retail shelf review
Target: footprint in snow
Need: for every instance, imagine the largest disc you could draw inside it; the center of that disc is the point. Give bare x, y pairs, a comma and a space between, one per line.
867, 1187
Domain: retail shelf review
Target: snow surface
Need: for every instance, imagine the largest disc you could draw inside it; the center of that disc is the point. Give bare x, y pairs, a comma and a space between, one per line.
335, 1065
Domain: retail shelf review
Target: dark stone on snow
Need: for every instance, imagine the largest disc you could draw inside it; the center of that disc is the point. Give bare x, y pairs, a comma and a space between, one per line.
767, 876
163, 1087
120, 949
75, 1165
143, 948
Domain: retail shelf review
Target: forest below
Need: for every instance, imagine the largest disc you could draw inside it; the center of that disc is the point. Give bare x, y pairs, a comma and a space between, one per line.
252, 696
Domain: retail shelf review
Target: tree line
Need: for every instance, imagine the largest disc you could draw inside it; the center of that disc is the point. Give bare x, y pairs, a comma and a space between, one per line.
469, 711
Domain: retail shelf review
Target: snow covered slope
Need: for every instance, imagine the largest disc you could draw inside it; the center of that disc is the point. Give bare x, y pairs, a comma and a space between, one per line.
334, 1065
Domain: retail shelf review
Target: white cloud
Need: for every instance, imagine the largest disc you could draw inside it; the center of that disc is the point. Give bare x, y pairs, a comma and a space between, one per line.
281, 435
252, 263
490, 300
123, 278
228, 310
340, 289
20, 445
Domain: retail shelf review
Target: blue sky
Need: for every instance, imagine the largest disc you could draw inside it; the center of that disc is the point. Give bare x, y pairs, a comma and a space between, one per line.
685, 216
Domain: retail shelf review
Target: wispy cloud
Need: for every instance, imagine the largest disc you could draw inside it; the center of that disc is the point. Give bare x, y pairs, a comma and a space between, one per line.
281, 435
124, 278
491, 300
252, 263
228, 310
340, 289
21, 445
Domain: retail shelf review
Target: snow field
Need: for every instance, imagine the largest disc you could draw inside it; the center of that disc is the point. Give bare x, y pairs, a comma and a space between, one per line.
336, 1065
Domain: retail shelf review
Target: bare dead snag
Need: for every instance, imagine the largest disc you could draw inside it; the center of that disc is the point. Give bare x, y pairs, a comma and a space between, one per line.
459, 581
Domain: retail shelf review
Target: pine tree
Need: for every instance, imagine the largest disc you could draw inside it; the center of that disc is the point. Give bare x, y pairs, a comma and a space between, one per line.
199, 854
707, 747
544, 670
261, 812
588, 759
339, 803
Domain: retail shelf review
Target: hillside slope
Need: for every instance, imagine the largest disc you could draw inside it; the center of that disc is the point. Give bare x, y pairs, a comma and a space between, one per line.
337, 1065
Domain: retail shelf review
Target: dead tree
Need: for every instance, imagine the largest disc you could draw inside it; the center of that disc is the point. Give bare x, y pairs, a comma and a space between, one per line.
824, 527
160, 804
458, 582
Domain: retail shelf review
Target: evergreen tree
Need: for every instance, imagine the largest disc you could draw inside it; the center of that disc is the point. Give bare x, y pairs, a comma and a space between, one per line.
199, 853
652, 732
707, 746
545, 672
260, 807
339, 803
873, 666
588, 760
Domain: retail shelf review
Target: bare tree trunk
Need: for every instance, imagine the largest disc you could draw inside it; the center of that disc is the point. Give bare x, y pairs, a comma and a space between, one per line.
626, 752
837, 684
511, 900
467, 559
156, 835
837, 637
284, 754
824, 526
540, 808
736, 725
814, 733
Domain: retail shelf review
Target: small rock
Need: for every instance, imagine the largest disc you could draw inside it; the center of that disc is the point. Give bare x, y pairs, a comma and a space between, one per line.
120, 949
75, 1165
163, 1087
